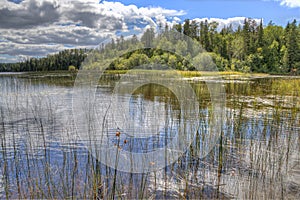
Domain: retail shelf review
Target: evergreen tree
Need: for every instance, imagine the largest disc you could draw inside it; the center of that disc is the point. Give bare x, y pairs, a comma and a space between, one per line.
292, 52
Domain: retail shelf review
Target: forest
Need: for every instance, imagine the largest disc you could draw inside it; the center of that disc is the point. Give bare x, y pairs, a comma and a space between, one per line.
59, 61
251, 47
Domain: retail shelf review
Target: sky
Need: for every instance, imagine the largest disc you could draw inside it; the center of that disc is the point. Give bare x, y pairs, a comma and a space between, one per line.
35, 28
280, 11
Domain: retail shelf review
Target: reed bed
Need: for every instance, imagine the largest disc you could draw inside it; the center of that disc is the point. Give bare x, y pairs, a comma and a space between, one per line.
257, 155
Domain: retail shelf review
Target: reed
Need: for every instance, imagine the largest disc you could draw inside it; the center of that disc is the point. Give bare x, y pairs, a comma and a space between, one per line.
256, 157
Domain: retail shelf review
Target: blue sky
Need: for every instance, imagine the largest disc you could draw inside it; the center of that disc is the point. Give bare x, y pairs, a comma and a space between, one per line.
266, 9
36, 28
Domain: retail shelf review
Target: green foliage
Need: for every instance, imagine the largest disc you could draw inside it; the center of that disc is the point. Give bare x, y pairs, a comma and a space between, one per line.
59, 61
292, 43
250, 48
72, 68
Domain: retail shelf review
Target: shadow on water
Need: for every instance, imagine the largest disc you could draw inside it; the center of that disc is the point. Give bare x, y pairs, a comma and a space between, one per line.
257, 155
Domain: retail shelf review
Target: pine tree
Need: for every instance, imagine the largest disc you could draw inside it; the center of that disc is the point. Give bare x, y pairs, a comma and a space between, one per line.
292, 52
246, 38
260, 38
186, 27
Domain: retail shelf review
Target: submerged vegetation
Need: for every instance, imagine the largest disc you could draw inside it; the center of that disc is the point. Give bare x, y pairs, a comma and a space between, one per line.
256, 157
250, 48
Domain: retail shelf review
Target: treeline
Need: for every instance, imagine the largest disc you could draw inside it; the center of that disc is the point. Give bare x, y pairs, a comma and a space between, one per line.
251, 47
59, 61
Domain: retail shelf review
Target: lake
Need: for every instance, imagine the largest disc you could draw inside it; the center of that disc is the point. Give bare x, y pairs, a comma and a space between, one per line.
45, 151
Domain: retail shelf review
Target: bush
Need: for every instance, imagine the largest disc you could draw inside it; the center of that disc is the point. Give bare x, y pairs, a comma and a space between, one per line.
72, 68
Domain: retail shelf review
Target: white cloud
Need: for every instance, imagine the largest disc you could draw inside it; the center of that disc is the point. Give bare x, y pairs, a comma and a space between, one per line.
290, 3
234, 21
39, 27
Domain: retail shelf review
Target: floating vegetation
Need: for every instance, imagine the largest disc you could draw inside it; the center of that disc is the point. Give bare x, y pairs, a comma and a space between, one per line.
256, 157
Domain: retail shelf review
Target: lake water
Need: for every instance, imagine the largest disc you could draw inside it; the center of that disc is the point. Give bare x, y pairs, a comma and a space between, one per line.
45, 152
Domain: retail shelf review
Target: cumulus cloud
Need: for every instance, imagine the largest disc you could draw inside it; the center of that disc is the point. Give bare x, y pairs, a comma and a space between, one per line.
27, 14
70, 35
39, 27
290, 3
235, 22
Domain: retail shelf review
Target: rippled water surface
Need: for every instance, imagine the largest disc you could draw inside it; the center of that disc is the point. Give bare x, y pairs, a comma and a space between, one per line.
43, 154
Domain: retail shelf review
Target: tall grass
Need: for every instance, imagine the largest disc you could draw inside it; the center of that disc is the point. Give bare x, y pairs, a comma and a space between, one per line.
190, 74
256, 157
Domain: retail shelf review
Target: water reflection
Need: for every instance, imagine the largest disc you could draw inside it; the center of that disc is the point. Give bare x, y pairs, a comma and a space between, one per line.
257, 156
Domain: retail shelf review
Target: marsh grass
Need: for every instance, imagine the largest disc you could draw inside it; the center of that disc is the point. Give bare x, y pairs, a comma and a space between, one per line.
190, 74
255, 158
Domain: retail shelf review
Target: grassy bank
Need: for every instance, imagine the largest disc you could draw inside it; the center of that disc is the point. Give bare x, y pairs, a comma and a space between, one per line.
189, 74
